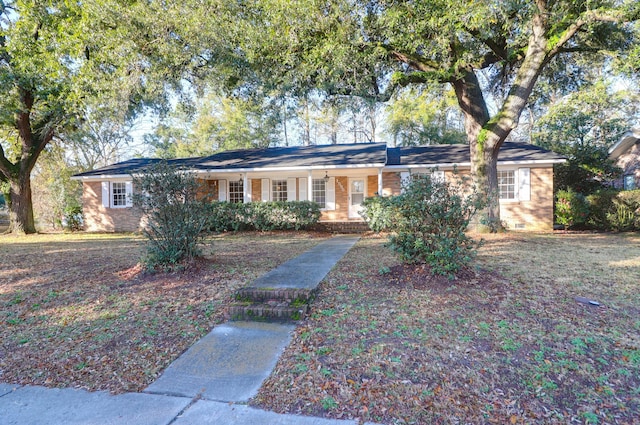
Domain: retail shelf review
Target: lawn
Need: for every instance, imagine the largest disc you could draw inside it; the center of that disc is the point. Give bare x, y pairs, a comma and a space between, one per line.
508, 344
75, 311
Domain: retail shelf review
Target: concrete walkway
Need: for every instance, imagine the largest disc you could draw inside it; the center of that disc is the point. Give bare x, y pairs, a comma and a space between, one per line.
203, 385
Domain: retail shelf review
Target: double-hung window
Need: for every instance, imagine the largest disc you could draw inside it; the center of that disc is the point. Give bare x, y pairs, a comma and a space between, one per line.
236, 191
629, 182
514, 184
117, 194
319, 195
279, 190
507, 184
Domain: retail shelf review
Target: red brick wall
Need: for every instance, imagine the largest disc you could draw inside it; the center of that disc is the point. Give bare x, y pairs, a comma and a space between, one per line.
536, 214
391, 184
256, 190
341, 213
97, 218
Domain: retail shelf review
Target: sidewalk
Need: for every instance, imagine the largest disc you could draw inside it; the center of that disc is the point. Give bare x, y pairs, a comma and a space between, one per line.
203, 385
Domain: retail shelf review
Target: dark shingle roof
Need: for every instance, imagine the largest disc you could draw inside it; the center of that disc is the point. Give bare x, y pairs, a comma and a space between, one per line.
296, 156
344, 155
340, 156
459, 154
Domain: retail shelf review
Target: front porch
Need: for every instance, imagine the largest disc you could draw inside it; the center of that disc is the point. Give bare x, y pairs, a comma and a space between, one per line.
339, 192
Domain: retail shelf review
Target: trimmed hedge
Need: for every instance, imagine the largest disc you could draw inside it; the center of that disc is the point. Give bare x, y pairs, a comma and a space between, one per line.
379, 213
263, 216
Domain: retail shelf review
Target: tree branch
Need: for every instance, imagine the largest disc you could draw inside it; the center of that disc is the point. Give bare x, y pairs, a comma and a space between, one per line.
6, 166
587, 18
414, 61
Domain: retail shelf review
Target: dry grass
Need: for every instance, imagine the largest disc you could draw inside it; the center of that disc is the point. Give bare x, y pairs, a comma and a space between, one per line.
509, 344
76, 312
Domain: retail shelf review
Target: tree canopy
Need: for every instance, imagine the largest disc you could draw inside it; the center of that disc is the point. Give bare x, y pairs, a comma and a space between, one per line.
57, 59
491, 53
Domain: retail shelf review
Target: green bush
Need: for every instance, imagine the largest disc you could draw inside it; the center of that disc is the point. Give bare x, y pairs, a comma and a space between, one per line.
430, 219
601, 204
377, 211
626, 212
263, 216
176, 219
572, 208
227, 216
72, 218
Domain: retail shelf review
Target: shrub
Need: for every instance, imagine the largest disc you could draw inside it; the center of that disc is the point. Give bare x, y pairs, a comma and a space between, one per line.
227, 216
175, 218
378, 213
263, 216
430, 220
626, 212
572, 208
72, 219
601, 204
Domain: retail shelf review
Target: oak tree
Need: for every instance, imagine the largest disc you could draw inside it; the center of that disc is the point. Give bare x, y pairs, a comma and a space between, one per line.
370, 48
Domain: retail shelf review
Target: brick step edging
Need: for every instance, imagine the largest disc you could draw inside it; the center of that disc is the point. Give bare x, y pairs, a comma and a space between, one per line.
266, 312
260, 295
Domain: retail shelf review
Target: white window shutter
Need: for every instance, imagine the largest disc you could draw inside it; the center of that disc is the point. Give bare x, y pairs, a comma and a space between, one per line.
222, 190
524, 184
247, 191
302, 188
330, 194
291, 189
106, 195
265, 190
129, 193
405, 176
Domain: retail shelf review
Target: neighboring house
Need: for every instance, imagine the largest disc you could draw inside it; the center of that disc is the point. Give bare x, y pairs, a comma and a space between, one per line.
338, 177
626, 154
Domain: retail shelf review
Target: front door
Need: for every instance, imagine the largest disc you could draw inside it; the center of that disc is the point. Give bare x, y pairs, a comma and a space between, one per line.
356, 196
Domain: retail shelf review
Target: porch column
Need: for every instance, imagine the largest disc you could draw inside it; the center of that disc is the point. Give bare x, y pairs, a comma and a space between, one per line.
310, 186
380, 182
245, 189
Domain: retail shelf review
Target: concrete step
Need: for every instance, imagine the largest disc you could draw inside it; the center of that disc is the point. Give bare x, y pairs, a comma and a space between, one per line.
343, 227
260, 295
267, 312
271, 305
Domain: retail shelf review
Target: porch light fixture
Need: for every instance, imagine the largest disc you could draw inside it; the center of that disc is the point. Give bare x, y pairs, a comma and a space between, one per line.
326, 177
240, 180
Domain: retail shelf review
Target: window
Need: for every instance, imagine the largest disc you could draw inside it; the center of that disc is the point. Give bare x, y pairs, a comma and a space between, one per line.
236, 191
279, 190
319, 192
507, 184
629, 182
117, 194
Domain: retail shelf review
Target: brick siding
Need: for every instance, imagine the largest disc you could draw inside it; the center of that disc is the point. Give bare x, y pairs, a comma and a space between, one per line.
97, 218
536, 214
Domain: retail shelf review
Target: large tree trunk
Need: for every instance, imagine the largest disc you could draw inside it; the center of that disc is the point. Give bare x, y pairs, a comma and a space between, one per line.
483, 154
18, 174
21, 205
485, 134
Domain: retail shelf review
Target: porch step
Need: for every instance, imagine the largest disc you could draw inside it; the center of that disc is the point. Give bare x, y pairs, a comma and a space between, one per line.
343, 227
271, 305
